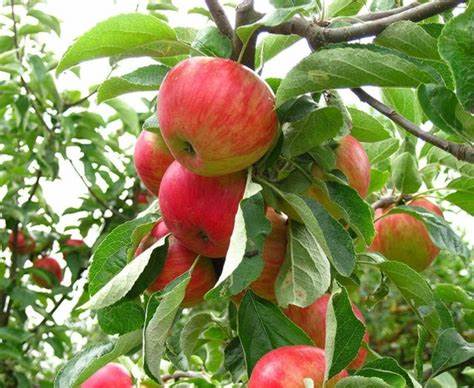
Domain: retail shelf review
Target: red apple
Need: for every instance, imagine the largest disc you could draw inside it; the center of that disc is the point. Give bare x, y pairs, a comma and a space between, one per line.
142, 198
74, 243
200, 211
312, 320
110, 376
24, 244
48, 264
216, 115
288, 366
402, 237
151, 158
274, 250
178, 260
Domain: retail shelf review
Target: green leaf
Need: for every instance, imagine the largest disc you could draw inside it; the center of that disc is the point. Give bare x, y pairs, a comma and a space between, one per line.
344, 333
405, 102
442, 108
391, 378
450, 350
360, 381
405, 174
211, 42
48, 20
296, 109
91, 359
450, 293
410, 38
366, 128
156, 332
305, 274
142, 79
347, 67
462, 199
129, 277
124, 34
423, 337
13, 334
271, 45
262, 327
234, 361
382, 150
439, 229
455, 46
192, 329
387, 364
126, 113
313, 130
344, 7
122, 317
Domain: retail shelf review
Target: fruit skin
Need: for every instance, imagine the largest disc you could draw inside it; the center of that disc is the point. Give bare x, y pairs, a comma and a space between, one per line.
24, 245
274, 250
402, 237
74, 243
288, 366
216, 116
50, 265
178, 260
312, 320
151, 158
353, 161
110, 376
200, 211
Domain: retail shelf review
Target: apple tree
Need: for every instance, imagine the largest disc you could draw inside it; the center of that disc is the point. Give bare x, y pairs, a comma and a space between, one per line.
302, 233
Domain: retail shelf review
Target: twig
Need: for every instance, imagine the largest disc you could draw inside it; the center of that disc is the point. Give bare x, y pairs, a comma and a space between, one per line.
78, 102
220, 18
459, 151
245, 14
35, 185
180, 375
387, 201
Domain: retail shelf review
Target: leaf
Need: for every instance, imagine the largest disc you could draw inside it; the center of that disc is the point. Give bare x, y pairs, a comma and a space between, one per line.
122, 317
15, 335
271, 45
387, 364
450, 293
211, 42
91, 359
121, 35
423, 337
156, 332
48, 20
410, 38
313, 130
347, 67
391, 378
442, 108
305, 274
344, 7
360, 381
262, 327
366, 127
439, 229
234, 361
450, 350
344, 333
125, 281
455, 46
405, 102
142, 79
405, 174
380, 151
126, 113
296, 109
464, 200
192, 329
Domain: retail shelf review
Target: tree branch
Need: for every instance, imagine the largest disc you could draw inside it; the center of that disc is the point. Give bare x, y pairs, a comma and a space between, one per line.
459, 151
180, 375
245, 14
220, 18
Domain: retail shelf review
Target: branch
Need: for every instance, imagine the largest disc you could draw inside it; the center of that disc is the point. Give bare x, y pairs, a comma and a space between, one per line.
220, 18
78, 102
245, 14
387, 201
459, 151
180, 375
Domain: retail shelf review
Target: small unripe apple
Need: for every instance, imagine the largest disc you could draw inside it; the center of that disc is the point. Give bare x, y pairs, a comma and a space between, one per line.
24, 244
274, 250
312, 320
216, 116
288, 366
402, 237
110, 376
179, 259
152, 158
200, 211
48, 264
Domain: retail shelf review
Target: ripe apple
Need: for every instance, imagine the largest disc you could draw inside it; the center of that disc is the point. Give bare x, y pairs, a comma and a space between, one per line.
353, 161
74, 243
142, 198
312, 320
51, 265
274, 250
178, 260
402, 237
151, 158
24, 244
200, 211
288, 366
216, 115
110, 376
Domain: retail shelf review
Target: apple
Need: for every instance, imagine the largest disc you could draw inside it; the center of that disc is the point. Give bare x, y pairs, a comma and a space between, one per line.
142, 198
48, 264
200, 211
74, 243
274, 250
402, 237
110, 376
24, 244
216, 116
312, 320
353, 161
179, 259
152, 158
288, 366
